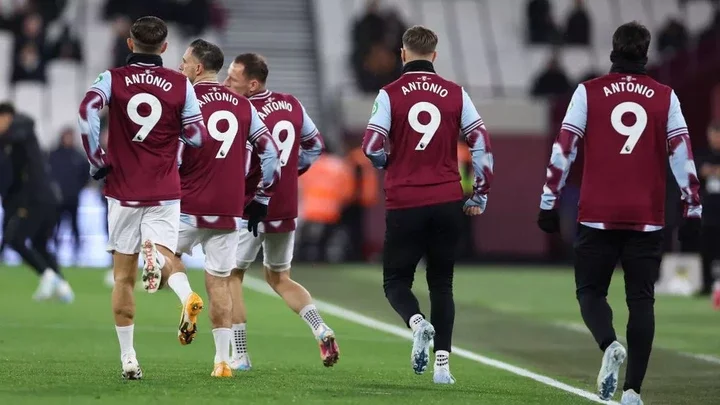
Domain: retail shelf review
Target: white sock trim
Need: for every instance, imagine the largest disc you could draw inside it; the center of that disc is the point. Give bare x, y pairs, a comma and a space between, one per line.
125, 338
222, 337
415, 321
180, 284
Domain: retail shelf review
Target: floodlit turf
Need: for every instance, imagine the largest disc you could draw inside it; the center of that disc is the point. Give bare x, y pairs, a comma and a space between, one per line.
68, 354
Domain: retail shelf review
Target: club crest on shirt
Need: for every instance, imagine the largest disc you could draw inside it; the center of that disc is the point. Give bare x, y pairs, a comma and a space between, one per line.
99, 78
375, 108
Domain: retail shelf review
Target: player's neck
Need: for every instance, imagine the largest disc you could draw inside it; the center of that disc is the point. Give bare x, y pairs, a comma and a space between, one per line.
208, 78
622, 64
418, 65
258, 91
144, 58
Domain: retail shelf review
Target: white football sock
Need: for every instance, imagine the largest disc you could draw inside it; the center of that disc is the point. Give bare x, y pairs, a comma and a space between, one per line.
415, 321
312, 317
239, 339
442, 359
222, 341
179, 283
125, 337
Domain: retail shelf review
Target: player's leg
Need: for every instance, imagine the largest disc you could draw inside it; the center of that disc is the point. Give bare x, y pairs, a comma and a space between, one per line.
278, 254
641, 259
220, 251
40, 241
405, 242
445, 229
124, 244
21, 225
596, 255
160, 231
247, 250
73, 210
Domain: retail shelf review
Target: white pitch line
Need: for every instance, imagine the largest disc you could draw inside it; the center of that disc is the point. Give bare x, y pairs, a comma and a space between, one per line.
352, 316
580, 328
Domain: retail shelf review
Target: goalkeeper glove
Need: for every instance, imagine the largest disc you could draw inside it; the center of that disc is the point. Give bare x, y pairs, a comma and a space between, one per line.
549, 221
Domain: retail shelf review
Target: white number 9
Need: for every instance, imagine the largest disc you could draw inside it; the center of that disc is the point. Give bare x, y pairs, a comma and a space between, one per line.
427, 130
226, 137
285, 145
633, 132
146, 123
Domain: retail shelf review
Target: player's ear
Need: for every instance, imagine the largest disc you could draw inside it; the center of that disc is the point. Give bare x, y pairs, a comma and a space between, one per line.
163, 48
434, 55
402, 55
130, 45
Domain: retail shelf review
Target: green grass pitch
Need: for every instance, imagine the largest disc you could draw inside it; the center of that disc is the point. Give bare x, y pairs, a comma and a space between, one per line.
68, 354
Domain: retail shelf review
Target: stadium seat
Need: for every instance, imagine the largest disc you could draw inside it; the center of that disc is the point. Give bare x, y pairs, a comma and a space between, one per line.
433, 15
29, 98
473, 45
64, 91
6, 48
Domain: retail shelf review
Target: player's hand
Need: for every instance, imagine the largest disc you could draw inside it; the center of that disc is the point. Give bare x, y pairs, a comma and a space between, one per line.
689, 232
471, 210
100, 173
256, 212
549, 221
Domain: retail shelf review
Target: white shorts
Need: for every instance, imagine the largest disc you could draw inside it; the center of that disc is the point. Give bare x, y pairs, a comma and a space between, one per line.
128, 227
218, 246
277, 249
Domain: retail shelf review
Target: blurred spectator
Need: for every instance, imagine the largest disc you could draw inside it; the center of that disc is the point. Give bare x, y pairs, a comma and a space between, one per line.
121, 31
5, 182
673, 37
552, 81
709, 173
589, 75
71, 172
325, 190
29, 55
377, 39
192, 15
541, 27
67, 47
365, 193
577, 31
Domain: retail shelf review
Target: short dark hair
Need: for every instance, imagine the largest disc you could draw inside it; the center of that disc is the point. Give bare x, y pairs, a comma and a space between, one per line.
420, 40
7, 107
209, 54
255, 66
148, 33
631, 41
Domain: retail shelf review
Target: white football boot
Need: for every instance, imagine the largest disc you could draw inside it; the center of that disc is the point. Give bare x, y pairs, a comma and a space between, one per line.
241, 362
152, 273
64, 292
131, 368
607, 381
630, 397
422, 338
46, 288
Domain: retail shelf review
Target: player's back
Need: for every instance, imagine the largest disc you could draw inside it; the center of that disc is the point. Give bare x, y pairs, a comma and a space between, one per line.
422, 168
626, 156
283, 115
212, 176
145, 122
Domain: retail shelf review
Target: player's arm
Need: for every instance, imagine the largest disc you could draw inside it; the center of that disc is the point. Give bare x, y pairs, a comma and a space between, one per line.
97, 97
264, 146
478, 141
681, 160
377, 131
311, 144
248, 157
193, 131
564, 149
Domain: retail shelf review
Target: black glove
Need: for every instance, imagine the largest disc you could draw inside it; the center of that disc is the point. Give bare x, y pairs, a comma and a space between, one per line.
101, 173
689, 233
255, 212
549, 221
